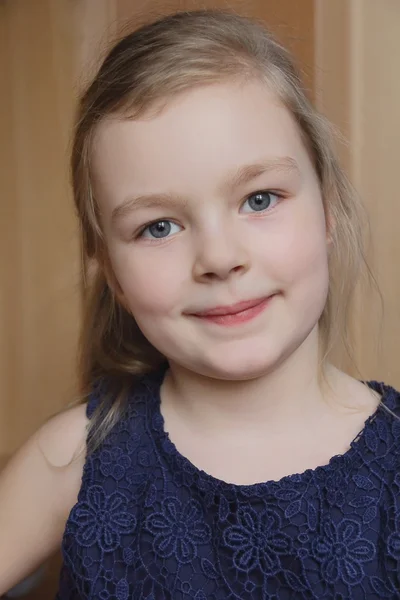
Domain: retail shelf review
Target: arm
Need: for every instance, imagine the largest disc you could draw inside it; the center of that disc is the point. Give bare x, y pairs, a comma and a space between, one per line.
38, 488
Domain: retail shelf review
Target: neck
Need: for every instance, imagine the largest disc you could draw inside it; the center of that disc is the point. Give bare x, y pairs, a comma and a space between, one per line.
291, 392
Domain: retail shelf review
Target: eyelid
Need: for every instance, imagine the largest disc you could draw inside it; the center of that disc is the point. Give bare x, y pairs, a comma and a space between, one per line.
277, 193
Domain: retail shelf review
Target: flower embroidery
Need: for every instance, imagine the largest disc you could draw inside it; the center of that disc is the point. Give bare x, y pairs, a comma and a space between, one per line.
178, 531
257, 541
336, 483
394, 545
102, 519
114, 462
342, 550
300, 537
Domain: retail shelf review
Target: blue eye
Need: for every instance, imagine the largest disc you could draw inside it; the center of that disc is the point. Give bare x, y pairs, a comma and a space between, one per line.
159, 230
260, 201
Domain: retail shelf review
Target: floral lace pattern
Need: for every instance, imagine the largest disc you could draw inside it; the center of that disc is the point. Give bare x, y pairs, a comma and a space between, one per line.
149, 525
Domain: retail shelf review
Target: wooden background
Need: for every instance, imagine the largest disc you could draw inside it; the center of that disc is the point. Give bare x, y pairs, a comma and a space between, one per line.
348, 52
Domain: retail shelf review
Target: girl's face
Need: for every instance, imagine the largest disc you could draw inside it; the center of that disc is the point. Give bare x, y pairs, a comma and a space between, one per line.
210, 204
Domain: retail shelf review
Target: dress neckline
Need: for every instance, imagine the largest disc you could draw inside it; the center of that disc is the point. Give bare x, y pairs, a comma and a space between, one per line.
207, 482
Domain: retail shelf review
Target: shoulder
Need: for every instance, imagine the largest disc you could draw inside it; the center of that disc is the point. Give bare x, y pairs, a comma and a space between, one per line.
364, 396
56, 453
38, 488
63, 437
51, 462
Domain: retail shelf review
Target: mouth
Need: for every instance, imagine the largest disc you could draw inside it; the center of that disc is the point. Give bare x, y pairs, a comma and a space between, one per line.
234, 313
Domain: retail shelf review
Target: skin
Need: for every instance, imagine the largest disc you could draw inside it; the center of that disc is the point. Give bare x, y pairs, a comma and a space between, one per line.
220, 250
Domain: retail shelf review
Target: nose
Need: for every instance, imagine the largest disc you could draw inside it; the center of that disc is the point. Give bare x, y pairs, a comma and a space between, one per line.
220, 254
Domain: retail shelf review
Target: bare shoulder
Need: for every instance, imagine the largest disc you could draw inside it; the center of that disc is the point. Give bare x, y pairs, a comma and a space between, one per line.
51, 460
62, 439
38, 488
62, 443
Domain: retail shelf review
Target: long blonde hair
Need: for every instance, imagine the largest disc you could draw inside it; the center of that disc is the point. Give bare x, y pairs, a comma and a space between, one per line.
141, 73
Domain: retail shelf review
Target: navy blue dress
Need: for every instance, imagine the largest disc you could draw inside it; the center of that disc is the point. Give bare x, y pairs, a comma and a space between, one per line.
150, 525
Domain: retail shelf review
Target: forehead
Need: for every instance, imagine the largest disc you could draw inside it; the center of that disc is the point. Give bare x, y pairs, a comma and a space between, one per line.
197, 137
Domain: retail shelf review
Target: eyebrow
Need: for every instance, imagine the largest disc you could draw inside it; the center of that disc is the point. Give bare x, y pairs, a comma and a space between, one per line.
247, 173
238, 178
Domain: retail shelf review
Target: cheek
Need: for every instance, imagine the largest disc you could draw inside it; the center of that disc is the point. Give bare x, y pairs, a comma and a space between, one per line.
151, 280
300, 251
309, 270
307, 258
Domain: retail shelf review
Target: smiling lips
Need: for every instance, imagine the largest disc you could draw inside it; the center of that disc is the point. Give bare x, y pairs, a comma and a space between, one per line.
234, 314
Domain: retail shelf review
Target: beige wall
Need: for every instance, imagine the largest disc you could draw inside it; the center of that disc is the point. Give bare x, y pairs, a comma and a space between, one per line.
358, 87
40, 287
375, 136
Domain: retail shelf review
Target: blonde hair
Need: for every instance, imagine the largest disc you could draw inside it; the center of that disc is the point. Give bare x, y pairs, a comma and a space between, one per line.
141, 73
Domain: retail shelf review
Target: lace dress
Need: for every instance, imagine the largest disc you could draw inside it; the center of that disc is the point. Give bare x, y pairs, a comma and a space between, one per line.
149, 525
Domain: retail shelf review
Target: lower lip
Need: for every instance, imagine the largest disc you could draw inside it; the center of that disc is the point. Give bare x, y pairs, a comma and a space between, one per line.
236, 319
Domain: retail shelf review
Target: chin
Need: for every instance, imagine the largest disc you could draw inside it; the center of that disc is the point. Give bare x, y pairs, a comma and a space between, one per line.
238, 367
247, 361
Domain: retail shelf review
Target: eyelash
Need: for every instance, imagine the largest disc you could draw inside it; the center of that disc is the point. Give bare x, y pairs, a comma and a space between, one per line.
278, 195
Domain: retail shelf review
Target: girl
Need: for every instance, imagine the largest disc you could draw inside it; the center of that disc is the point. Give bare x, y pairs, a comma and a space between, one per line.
226, 458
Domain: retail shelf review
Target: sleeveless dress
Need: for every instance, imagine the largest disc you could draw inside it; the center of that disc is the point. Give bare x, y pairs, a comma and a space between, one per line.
149, 525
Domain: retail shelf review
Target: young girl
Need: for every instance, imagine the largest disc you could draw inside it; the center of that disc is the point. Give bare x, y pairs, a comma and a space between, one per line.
226, 458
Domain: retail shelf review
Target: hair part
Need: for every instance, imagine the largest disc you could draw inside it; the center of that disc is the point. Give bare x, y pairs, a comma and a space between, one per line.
140, 75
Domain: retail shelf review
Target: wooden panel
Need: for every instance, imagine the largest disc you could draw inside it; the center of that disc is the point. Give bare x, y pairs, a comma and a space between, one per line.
375, 131
9, 293
359, 91
40, 258
332, 67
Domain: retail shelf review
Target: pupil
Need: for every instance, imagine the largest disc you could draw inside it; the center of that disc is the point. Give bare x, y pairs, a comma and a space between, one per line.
160, 229
260, 201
